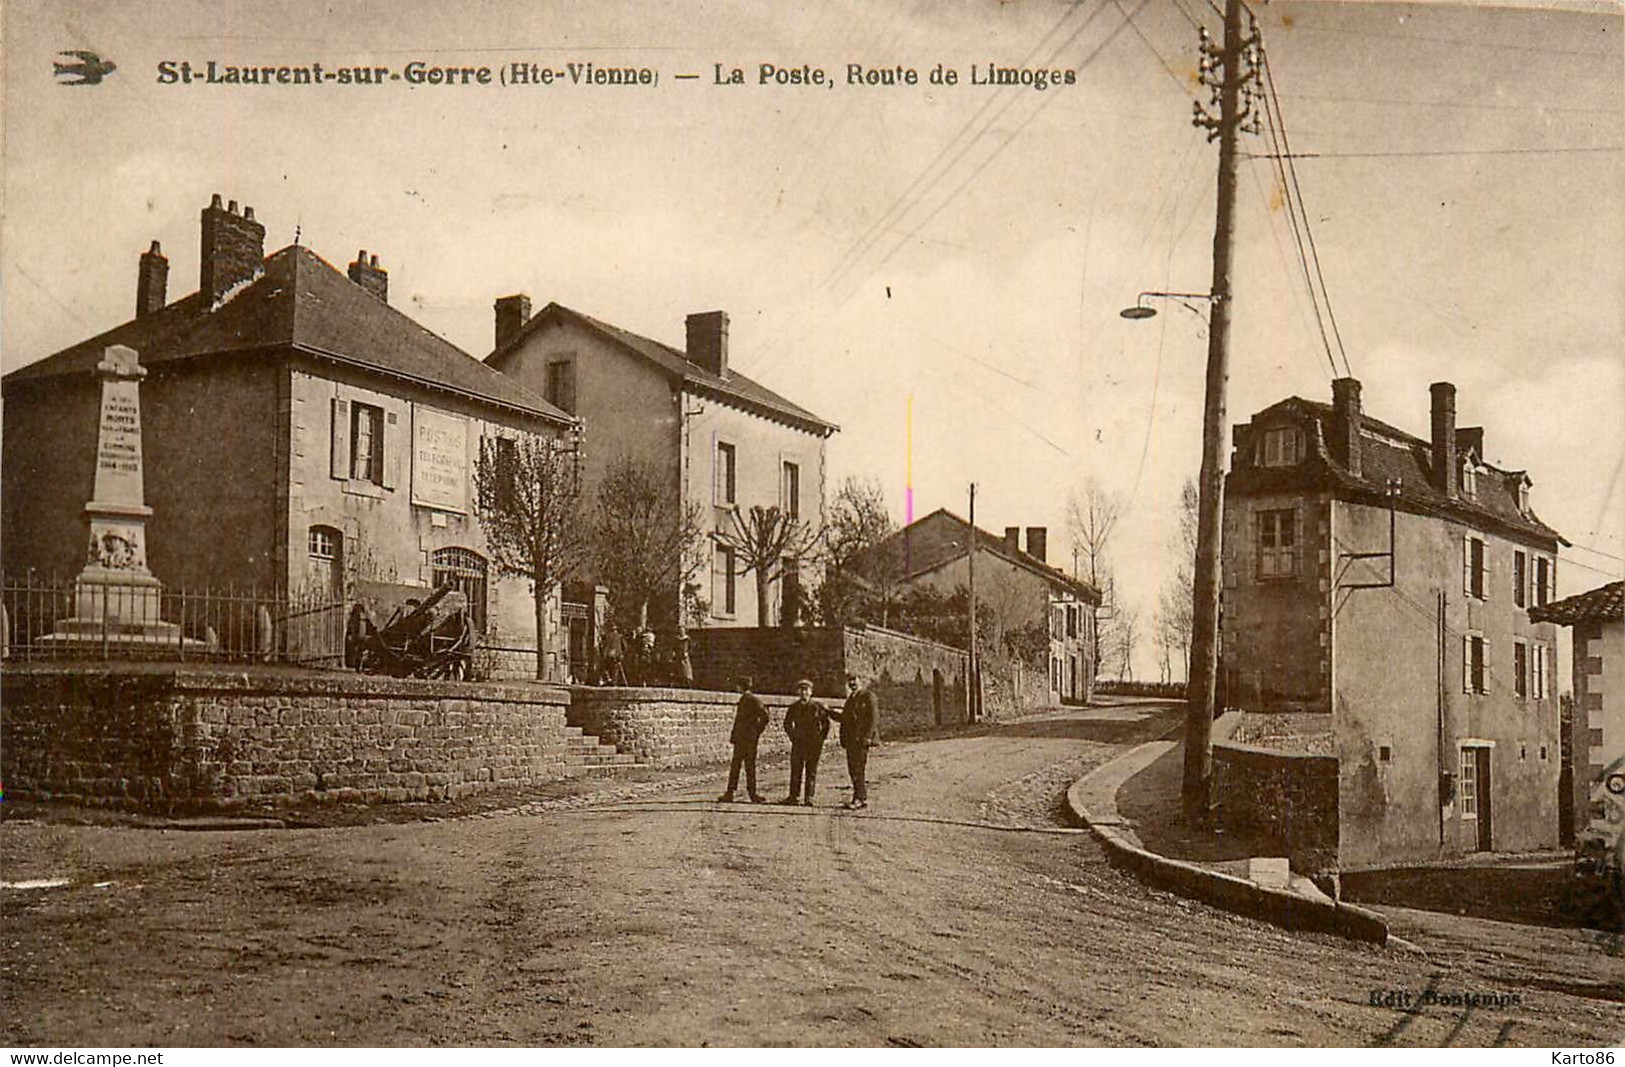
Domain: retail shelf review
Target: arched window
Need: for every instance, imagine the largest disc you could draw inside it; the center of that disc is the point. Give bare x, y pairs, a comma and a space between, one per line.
326, 574
466, 570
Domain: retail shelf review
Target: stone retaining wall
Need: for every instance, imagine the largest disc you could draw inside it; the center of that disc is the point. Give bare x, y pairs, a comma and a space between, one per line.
1289, 798
673, 727
160, 738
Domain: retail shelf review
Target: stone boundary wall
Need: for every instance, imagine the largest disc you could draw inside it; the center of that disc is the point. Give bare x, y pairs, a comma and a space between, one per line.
674, 727
1289, 798
166, 738
900, 669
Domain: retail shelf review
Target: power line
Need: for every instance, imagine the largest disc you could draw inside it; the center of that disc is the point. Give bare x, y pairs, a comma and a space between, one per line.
1455, 104
1184, 88
1309, 233
1436, 152
1464, 42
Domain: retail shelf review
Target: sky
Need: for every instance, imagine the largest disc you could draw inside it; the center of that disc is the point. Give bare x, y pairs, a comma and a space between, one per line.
966, 246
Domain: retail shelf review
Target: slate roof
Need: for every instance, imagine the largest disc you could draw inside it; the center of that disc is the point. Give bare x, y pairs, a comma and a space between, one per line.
301, 302
1387, 452
928, 555
1603, 604
736, 387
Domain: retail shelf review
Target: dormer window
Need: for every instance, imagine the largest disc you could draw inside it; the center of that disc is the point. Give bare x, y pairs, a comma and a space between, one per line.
1279, 447
1469, 478
1523, 495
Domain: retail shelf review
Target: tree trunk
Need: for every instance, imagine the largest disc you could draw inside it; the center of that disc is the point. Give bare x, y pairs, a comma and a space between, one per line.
541, 631
764, 586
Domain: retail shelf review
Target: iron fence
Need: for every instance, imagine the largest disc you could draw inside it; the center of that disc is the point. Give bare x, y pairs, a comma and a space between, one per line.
46, 619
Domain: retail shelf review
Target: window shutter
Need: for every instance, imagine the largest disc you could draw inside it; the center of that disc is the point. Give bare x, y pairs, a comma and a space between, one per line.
339, 466
1482, 667
1467, 564
716, 474
393, 452
1482, 566
1298, 567
1466, 664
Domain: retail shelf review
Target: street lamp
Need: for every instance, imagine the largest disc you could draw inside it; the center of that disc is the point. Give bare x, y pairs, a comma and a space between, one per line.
1141, 310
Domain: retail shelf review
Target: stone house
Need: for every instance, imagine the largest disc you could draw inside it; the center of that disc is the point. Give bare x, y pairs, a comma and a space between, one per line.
1382, 580
1017, 586
718, 438
301, 435
1596, 742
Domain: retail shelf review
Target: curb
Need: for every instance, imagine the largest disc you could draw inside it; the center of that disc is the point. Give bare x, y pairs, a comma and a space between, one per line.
1124, 848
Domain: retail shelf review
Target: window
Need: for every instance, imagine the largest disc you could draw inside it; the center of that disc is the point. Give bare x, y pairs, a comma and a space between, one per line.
1385, 753
1277, 543
1520, 668
1279, 448
1543, 580
1541, 664
727, 472
367, 443
465, 570
561, 384
792, 490
1523, 495
1472, 567
1520, 579
1071, 621
724, 592
326, 560
1472, 663
507, 453
1469, 783
1469, 479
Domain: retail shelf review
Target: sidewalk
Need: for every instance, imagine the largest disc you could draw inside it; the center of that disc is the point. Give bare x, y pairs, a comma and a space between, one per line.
1133, 805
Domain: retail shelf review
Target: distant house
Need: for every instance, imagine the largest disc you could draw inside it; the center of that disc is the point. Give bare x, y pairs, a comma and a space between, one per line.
1018, 585
1438, 689
720, 438
1597, 737
300, 435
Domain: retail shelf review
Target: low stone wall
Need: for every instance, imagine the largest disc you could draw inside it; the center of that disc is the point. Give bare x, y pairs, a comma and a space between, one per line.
673, 727
165, 738
1288, 798
919, 684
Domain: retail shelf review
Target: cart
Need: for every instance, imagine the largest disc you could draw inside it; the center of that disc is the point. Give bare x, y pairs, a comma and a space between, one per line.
432, 638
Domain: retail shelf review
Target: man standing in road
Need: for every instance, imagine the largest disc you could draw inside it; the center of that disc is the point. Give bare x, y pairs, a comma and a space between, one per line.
807, 723
750, 719
860, 727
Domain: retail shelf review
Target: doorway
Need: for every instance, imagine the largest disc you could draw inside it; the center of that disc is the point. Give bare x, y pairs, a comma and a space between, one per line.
1485, 830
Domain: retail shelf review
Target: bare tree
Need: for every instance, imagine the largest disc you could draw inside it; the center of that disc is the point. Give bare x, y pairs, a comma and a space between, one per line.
527, 494
1176, 600
858, 524
764, 541
1091, 516
647, 539
1125, 639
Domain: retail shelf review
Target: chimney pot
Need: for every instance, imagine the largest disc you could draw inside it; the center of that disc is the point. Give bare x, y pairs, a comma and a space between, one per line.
1037, 542
374, 259
370, 276
231, 206
248, 213
1346, 421
233, 250
1444, 437
512, 314
1012, 539
151, 282
708, 341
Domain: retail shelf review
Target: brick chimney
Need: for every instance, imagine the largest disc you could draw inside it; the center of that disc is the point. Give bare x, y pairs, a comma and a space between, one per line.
370, 276
1470, 437
1037, 542
233, 249
512, 314
1012, 539
708, 341
1444, 437
151, 282
1346, 419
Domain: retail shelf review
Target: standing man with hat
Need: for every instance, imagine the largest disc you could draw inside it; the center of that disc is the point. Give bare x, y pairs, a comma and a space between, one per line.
807, 724
750, 719
860, 727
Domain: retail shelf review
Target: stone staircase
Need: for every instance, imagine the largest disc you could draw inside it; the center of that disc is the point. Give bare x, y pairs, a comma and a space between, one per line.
587, 757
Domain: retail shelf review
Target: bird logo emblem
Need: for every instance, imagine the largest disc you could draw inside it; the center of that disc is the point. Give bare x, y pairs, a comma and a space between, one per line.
89, 69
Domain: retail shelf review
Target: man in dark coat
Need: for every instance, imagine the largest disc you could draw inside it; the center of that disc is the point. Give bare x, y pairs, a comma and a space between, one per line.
750, 719
807, 724
860, 727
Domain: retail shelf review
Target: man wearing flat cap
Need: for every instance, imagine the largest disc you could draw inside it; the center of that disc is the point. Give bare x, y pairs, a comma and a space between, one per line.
807, 724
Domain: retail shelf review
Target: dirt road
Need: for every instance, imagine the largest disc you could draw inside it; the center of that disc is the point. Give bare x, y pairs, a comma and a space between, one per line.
675, 920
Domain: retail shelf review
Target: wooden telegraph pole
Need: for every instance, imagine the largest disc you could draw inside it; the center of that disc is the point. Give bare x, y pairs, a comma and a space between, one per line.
973, 684
1231, 71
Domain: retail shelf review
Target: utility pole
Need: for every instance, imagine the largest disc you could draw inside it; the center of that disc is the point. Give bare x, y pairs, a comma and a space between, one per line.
1231, 71
973, 684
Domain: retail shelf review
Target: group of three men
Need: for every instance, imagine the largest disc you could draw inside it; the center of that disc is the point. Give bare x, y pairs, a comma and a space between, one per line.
807, 723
